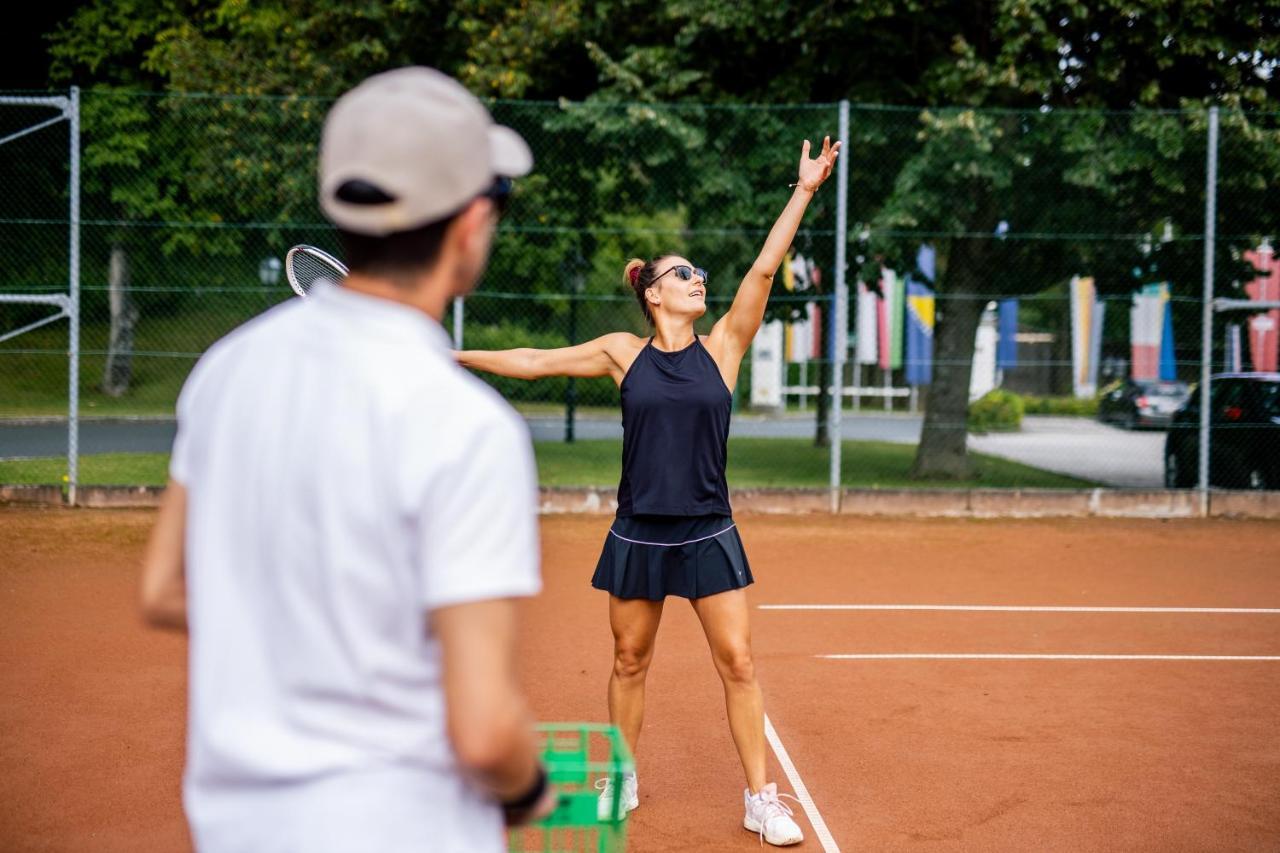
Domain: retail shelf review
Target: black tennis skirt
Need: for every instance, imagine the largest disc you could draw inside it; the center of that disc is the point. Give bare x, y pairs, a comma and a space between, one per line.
653, 556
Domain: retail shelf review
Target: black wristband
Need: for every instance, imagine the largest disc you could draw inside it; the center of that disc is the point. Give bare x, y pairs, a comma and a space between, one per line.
529, 798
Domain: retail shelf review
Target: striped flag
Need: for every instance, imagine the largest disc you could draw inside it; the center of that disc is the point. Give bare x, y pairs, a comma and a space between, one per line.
1086, 336
889, 328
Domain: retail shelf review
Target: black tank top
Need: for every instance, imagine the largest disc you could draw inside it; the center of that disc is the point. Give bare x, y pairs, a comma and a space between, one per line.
675, 431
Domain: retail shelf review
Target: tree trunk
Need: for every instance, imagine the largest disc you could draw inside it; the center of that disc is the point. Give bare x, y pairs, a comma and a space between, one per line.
118, 371
943, 452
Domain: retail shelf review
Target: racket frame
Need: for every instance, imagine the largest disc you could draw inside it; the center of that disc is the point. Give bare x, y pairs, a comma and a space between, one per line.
315, 254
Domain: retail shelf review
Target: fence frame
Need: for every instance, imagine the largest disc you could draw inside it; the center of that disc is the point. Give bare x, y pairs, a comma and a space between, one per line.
68, 304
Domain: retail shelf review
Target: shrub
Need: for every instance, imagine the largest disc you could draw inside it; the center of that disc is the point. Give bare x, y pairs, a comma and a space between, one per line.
996, 411
1078, 406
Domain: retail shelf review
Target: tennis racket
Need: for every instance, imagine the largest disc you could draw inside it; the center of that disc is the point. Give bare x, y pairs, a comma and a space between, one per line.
305, 265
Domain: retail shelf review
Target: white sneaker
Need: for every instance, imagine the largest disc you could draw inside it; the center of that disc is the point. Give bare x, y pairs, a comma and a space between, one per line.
630, 796
770, 817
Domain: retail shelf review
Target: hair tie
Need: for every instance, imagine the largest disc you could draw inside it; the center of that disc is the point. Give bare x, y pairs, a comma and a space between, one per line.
634, 274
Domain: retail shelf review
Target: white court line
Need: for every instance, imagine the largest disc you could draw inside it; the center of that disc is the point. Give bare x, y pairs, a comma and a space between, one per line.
1266, 611
802, 793
1047, 657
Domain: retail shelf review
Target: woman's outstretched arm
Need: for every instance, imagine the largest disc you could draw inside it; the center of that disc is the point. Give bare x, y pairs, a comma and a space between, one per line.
739, 325
604, 356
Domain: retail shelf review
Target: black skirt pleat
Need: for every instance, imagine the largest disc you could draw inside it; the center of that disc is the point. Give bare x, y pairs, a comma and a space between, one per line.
655, 556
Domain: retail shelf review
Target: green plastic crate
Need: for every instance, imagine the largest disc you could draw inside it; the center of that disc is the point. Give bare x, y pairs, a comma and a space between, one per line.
577, 756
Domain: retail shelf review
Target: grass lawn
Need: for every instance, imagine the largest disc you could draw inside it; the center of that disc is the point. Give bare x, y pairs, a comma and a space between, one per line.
753, 462
33, 366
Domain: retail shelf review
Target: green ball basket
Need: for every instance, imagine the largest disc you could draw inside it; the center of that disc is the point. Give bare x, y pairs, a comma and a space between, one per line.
577, 756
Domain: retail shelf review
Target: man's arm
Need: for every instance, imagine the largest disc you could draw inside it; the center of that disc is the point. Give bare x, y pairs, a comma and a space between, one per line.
488, 721
164, 585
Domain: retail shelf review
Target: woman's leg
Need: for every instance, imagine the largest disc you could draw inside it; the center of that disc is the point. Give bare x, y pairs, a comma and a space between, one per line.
635, 625
724, 620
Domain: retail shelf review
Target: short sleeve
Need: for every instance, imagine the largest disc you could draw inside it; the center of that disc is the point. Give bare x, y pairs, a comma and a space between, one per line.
478, 525
180, 459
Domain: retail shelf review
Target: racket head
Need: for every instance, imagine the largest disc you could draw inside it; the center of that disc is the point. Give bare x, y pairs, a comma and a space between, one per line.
305, 265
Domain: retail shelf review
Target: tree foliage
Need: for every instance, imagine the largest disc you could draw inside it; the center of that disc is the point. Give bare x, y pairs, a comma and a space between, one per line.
1031, 139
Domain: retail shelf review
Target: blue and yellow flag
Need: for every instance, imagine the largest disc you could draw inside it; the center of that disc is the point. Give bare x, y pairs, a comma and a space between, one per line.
920, 317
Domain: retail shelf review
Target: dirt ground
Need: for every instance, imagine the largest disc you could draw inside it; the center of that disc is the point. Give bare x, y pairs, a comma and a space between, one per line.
993, 754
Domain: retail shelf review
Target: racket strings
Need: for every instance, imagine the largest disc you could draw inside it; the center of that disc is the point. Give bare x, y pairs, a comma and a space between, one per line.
305, 269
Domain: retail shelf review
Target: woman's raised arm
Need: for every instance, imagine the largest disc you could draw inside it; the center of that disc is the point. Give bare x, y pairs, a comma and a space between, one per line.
739, 325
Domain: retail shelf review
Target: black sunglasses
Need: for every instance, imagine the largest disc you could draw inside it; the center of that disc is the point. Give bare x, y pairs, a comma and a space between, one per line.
684, 273
499, 192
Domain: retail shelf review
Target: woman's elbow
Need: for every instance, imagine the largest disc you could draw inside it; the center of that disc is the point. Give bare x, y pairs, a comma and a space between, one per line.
533, 364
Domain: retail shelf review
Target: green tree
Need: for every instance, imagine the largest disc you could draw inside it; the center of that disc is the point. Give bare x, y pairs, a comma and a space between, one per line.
1014, 119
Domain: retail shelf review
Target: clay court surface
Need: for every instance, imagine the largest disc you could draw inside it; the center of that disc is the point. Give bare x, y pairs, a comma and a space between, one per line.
994, 754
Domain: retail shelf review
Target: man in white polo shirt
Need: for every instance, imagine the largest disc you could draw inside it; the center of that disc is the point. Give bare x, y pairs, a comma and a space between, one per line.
350, 516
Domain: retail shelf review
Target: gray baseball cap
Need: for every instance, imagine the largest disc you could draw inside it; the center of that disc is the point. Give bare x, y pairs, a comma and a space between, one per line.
421, 138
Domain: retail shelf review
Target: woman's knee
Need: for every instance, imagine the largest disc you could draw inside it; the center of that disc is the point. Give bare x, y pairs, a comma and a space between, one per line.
631, 660
737, 666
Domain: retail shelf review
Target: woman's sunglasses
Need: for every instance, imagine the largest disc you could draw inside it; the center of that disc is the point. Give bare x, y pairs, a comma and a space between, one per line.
684, 273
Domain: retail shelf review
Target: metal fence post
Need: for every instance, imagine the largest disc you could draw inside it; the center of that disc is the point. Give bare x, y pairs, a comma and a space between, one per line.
73, 356
458, 307
841, 318
1206, 314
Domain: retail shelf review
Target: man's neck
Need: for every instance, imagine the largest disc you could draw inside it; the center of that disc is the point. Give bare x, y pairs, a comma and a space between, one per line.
431, 294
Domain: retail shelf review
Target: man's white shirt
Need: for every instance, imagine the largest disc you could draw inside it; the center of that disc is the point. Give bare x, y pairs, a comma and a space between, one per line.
345, 477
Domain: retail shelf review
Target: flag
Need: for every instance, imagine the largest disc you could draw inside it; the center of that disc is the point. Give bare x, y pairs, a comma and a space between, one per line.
890, 320
1264, 328
927, 262
868, 351
919, 321
1233, 349
1086, 336
1007, 348
1168, 361
1151, 334
800, 337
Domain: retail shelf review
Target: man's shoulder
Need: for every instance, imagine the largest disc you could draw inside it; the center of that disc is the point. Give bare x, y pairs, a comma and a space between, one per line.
251, 334
469, 402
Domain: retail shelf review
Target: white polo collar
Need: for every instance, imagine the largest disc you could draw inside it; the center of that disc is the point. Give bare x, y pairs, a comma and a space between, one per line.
389, 315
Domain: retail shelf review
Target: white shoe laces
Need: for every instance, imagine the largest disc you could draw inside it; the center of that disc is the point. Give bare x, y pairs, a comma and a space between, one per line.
773, 807
606, 787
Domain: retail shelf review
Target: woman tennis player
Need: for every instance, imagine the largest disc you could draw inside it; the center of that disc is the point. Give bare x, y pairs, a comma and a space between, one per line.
674, 533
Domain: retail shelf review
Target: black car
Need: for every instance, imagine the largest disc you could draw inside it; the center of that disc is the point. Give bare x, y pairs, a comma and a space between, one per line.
1134, 403
1244, 435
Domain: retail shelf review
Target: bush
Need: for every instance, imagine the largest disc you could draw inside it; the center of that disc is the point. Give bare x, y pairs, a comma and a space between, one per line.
1076, 406
996, 411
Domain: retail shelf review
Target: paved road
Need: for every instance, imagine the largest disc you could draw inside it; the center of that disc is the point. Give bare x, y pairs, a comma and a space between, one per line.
1074, 446
156, 435
1083, 448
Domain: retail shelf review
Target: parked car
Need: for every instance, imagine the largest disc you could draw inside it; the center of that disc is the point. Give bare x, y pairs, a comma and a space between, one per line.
1134, 403
1244, 435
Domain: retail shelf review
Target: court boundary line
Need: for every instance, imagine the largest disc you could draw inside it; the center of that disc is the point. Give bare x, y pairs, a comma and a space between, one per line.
1017, 608
977, 656
802, 793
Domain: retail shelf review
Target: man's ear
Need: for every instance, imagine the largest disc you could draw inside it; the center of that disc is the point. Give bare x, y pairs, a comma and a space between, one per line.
471, 225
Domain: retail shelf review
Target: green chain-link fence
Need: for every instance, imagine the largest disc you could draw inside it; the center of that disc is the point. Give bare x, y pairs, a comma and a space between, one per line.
1069, 245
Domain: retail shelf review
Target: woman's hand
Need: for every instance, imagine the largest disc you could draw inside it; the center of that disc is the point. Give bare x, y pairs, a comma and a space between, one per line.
814, 172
